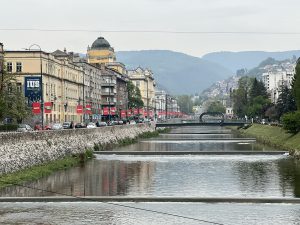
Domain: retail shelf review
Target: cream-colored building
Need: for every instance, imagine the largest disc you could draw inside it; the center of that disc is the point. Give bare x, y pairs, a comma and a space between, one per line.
114, 75
100, 52
144, 80
62, 81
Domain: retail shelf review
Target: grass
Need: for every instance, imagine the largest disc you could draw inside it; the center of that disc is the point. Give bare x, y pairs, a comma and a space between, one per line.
37, 172
274, 136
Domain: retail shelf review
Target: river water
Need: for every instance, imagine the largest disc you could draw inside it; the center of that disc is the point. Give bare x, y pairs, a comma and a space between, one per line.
185, 175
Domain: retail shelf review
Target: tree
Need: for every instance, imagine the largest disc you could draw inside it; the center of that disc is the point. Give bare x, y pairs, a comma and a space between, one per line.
291, 122
257, 89
296, 85
240, 97
286, 101
134, 96
185, 103
12, 101
258, 106
216, 107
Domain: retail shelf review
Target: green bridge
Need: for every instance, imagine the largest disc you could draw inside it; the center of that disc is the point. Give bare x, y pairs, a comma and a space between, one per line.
225, 123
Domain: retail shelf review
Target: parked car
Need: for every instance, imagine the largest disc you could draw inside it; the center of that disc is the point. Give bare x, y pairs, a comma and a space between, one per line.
80, 125
120, 122
47, 127
24, 128
37, 127
91, 125
57, 126
132, 122
66, 125
102, 124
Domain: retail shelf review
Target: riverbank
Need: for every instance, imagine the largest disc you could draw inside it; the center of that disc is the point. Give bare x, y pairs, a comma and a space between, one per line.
274, 136
38, 171
20, 151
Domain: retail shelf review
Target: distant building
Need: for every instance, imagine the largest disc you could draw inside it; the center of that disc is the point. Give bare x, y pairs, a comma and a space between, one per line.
144, 80
101, 52
114, 77
273, 80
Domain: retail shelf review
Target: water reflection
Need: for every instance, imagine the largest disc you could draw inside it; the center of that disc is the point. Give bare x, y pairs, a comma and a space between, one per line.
202, 176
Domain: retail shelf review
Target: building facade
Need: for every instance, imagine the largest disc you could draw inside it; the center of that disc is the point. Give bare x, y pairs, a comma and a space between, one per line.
114, 78
144, 80
273, 81
51, 80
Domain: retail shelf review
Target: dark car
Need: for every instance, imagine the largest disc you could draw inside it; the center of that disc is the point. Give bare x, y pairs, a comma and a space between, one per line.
80, 125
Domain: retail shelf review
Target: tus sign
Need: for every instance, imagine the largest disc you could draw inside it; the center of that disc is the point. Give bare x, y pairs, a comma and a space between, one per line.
33, 89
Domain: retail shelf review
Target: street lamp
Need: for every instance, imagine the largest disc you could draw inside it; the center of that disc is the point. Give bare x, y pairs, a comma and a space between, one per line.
41, 70
147, 100
109, 98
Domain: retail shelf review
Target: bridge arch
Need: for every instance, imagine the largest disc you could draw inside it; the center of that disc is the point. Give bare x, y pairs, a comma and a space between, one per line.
212, 114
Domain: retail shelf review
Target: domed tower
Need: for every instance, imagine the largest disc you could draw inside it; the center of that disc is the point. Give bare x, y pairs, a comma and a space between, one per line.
101, 52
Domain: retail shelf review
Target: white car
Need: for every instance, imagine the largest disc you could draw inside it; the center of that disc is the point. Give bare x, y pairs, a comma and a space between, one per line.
132, 122
24, 128
57, 126
91, 125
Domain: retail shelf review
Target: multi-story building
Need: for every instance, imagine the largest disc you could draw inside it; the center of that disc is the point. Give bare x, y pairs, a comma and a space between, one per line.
144, 80
114, 77
160, 104
51, 80
273, 81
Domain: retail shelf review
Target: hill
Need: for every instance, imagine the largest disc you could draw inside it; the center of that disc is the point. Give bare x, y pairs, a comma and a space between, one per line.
247, 59
177, 72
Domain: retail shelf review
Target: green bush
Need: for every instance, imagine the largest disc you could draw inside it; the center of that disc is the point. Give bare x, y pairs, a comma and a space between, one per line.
9, 127
291, 122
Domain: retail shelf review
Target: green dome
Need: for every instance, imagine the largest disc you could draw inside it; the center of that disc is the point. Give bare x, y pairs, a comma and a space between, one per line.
100, 43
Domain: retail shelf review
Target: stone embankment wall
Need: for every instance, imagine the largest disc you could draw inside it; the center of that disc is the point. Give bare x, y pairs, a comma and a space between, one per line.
22, 150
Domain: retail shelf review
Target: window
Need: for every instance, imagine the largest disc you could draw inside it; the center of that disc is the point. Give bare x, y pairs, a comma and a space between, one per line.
9, 67
19, 87
137, 83
19, 67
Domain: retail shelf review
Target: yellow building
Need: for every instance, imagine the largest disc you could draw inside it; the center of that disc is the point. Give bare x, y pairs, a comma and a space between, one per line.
62, 81
101, 52
144, 80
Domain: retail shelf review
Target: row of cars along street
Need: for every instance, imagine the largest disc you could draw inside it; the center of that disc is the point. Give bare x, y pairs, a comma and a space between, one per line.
71, 125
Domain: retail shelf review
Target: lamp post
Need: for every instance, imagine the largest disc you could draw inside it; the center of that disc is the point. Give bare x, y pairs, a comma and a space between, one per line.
166, 106
147, 100
109, 98
42, 89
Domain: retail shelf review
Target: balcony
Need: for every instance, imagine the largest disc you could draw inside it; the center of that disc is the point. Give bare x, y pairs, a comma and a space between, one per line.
105, 102
109, 93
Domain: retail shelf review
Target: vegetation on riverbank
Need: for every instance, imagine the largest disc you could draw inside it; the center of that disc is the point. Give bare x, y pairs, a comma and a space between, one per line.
37, 172
274, 136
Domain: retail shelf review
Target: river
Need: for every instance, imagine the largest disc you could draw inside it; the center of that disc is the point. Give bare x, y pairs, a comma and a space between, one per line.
237, 175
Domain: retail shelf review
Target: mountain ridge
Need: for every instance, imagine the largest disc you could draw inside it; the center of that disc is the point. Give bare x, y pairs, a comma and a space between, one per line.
247, 59
179, 72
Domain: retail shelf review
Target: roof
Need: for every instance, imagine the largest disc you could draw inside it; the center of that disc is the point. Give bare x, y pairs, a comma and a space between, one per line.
100, 43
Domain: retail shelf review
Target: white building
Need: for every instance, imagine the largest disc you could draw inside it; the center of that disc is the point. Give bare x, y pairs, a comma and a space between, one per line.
273, 80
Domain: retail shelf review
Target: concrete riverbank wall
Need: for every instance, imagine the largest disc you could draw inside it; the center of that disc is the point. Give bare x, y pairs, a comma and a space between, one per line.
23, 150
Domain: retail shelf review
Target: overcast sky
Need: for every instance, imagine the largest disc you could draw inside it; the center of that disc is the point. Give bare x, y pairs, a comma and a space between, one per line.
165, 15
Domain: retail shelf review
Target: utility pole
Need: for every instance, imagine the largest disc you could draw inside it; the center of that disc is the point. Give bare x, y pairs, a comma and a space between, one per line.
1, 67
